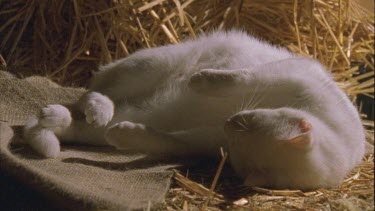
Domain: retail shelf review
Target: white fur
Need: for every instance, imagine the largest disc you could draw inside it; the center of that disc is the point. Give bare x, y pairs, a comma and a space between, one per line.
97, 108
227, 90
40, 132
55, 118
134, 134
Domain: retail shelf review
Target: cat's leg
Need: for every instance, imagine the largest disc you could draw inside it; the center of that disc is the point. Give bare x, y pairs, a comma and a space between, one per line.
199, 141
213, 82
126, 81
133, 78
40, 132
288, 74
53, 125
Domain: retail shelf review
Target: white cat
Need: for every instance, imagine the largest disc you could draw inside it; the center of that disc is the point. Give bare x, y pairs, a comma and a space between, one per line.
282, 119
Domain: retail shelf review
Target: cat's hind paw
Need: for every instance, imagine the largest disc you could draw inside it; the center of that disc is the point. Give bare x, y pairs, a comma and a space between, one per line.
44, 142
55, 118
98, 109
40, 132
41, 140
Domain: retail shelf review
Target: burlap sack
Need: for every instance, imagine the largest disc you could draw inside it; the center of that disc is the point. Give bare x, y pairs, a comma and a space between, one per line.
82, 177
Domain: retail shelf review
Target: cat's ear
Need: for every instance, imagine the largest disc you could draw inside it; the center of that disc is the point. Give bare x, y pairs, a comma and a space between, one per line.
303, 140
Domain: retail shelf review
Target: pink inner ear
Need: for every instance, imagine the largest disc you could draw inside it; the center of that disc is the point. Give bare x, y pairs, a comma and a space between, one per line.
303, 140
305, 126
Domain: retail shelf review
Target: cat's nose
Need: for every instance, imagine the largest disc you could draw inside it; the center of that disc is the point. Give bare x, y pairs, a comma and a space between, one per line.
228, 127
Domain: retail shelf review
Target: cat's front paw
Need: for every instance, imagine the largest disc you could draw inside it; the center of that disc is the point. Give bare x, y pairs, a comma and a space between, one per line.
126, 135
98, 109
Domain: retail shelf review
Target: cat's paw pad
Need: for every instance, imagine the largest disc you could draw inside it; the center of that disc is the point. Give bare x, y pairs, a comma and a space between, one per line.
55, 117
99, 109
125, 134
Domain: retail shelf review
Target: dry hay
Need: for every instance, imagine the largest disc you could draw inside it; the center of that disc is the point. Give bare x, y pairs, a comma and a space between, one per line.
66, 40
354, 193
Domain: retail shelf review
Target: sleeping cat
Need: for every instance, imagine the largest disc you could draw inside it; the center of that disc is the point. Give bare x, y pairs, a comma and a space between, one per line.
281, 117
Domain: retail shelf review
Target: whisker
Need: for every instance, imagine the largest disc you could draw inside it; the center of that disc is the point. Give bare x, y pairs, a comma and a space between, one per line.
242, 125
258, 98
253, 98
243, 118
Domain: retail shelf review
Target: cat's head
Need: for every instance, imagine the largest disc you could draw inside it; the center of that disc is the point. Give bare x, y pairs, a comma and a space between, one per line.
278, 148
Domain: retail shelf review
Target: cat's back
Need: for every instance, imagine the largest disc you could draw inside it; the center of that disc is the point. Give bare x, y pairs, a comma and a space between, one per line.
216, 50
230, 50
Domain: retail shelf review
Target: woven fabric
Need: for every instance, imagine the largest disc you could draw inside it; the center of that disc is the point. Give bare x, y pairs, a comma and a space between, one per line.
82, 177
